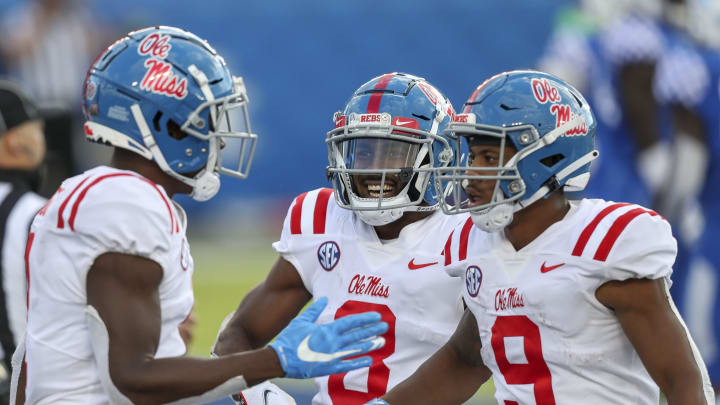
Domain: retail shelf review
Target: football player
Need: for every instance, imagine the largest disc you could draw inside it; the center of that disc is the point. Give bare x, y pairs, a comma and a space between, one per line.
108, 264
687, 81
567, 300
370, 243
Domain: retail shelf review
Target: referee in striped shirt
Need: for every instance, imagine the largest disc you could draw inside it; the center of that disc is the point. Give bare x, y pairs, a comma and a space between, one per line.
22, 149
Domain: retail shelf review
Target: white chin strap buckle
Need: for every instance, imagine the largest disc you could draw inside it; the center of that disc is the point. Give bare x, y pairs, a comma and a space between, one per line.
495, 219
379, 218
206, 185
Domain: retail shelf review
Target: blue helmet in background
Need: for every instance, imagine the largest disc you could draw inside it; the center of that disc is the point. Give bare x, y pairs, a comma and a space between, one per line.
545, 119
386, 141
166, 95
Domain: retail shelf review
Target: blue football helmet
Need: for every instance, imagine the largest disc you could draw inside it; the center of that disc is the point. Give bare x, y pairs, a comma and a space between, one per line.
548, 123
384, 145
166, 95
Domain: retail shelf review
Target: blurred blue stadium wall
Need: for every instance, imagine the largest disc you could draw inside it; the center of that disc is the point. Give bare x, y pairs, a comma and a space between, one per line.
301, 60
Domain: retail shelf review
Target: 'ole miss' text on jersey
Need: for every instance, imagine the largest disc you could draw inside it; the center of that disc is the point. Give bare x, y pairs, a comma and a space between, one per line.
339, 256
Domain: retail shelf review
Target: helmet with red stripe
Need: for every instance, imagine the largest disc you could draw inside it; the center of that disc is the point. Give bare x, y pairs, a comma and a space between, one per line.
384, 146
548, 124
166, 95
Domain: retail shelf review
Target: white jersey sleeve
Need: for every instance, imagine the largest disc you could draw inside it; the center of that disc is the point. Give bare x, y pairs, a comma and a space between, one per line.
125, 214
644, 249
17, 226
629, 241
307, 215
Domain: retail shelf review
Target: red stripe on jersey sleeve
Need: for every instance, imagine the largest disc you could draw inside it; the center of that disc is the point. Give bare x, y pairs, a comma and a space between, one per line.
321, 205
374, 102
464, 235
296, 215
61, 223
81, 196
28, 246
447, 252
616, 229
587, 232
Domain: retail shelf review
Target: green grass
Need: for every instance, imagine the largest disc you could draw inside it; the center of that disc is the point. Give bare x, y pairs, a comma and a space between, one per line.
223, 275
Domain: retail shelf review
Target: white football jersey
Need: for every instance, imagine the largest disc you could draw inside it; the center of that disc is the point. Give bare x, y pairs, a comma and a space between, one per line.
545, 336
340, 257
102, 210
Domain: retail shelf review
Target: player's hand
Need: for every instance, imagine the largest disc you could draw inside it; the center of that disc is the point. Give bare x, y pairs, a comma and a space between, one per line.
306, 349
377, 401
265, 393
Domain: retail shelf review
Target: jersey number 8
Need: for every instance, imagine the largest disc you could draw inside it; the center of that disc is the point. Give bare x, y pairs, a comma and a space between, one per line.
379, 373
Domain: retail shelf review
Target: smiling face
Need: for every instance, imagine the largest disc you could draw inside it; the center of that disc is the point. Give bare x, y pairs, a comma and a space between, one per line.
380, 154
485, 155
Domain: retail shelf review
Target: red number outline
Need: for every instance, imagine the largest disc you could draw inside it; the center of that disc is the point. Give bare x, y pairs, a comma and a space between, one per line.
536, 371
379, 373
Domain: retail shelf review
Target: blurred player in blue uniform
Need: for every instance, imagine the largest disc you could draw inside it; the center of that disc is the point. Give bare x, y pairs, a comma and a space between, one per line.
688, 82
611, 50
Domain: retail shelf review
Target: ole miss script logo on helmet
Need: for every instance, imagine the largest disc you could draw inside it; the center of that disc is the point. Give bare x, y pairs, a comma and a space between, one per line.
473, 280
328, 255
545, 92
159, 77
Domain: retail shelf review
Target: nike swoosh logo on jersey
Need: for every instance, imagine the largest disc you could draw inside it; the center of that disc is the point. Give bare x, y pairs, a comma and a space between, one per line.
265, 396
400, 123
545, 269
413, 266
305, 353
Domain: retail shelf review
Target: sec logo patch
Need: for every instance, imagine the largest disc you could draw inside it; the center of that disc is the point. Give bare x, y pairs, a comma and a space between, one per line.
328, 255
473, 280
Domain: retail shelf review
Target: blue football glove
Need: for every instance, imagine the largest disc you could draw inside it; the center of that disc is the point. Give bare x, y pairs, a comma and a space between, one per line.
306, 349
377, 401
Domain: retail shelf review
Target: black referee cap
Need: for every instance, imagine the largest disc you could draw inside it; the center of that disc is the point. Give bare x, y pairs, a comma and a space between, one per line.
16, 107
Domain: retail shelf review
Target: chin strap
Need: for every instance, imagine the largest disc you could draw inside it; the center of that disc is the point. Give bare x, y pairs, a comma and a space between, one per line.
381, 217
496, 219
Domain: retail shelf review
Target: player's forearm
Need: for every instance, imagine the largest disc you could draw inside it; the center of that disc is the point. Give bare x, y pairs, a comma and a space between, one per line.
686, 387
169, 379
442, 379
687, 396
22, 382
235, 339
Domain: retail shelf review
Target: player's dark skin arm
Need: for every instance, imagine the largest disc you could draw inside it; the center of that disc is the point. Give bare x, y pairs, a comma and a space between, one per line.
265, 310
639, 103
451, 376
644, 312
22, 381
688, 122
124, 291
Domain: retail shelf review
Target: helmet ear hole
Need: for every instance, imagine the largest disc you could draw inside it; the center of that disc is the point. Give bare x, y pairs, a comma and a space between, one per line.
551, 161
175, 131
156, 121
